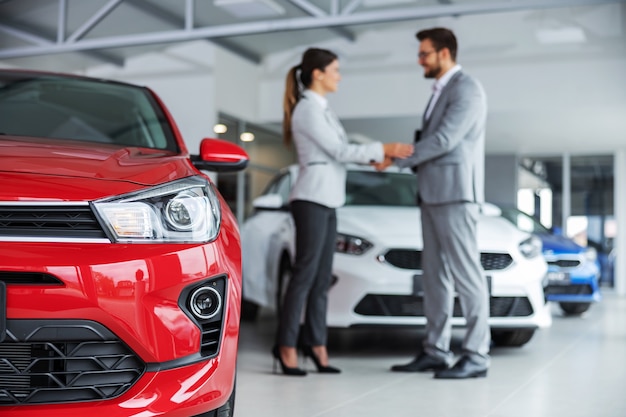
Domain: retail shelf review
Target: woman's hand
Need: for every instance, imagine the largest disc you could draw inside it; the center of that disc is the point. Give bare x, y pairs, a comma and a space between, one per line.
381, 166
397, 150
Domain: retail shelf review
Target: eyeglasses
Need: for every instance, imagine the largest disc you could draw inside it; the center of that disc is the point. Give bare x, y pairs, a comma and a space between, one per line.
424, 54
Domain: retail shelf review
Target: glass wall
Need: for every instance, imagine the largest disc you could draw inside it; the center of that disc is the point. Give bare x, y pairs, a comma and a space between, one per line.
267, 156
592, 221
573, 195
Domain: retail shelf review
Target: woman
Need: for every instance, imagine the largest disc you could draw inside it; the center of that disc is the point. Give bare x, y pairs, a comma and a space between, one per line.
323, 149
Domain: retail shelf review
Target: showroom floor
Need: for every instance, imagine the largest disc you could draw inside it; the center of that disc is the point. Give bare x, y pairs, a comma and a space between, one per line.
577, 368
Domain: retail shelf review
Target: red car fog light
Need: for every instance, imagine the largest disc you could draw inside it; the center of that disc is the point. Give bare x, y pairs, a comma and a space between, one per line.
205, 302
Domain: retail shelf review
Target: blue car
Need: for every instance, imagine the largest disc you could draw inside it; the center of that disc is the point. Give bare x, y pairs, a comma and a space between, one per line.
573, 270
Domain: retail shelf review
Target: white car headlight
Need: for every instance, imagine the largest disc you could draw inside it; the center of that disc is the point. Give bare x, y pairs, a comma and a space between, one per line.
352, 245
184, 211
591, 254
531, 247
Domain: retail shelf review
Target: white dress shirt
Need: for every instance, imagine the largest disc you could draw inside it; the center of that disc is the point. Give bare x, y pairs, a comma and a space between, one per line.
439, 85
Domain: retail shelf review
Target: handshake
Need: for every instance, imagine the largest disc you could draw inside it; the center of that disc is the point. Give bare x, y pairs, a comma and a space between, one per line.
393, 150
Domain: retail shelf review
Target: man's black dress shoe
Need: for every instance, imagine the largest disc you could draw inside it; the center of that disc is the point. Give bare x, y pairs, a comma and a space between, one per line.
464, 368
424, 362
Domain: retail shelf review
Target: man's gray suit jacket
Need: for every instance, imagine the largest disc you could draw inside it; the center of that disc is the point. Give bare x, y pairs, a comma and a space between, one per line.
450, 154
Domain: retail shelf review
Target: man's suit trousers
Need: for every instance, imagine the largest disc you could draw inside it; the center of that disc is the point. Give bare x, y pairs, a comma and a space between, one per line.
451, 261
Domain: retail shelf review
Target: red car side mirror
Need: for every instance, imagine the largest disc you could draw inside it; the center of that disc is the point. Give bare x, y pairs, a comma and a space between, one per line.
220, 156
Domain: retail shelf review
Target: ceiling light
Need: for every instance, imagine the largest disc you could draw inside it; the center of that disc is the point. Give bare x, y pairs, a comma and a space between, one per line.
570, 34
220, 128
246, 137
250, 8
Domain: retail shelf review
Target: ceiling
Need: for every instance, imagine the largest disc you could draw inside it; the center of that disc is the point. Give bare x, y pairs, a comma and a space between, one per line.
374, 37
74, 34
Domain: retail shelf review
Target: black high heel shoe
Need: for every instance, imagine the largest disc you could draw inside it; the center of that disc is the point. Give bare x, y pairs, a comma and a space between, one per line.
308, 351
286, 369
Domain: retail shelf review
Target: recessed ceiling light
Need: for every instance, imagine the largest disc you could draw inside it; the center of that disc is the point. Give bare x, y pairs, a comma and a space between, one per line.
246, 137
220, 128
569, 34
250, 8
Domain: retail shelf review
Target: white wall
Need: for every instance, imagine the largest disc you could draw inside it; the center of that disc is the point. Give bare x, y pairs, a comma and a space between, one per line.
361, 94
587, 99
237, 89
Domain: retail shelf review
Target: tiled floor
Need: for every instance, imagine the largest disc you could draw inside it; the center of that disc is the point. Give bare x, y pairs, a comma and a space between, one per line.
577, 368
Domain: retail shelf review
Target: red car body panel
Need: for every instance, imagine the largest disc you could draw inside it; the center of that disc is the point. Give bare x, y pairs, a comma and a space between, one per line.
143, 316
148, 319
132, 289
79, 171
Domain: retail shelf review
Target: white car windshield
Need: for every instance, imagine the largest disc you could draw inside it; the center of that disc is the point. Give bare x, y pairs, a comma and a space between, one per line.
524, 221
372, 188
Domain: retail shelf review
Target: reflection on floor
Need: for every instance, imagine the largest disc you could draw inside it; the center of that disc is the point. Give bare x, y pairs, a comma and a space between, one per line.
577, 368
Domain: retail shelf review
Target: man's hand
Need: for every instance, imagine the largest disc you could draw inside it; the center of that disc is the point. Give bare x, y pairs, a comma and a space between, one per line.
381, 166
397, 150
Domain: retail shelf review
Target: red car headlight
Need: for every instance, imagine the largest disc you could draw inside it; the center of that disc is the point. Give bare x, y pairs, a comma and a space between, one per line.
186, 210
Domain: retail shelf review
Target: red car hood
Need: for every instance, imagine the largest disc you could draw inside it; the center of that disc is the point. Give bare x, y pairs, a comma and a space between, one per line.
60, 170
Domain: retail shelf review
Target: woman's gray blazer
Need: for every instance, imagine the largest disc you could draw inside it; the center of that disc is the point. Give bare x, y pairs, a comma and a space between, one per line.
323, 150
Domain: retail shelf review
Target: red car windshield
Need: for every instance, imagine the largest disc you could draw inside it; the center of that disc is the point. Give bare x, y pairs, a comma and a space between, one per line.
48, 106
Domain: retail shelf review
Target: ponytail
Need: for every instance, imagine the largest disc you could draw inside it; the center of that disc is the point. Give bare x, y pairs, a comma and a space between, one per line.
292, 95
302, 75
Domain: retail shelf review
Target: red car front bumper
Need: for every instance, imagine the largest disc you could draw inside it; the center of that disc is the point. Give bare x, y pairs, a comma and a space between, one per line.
130, 301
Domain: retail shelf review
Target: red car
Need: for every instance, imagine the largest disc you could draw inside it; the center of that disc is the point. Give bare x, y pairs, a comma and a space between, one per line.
120, 263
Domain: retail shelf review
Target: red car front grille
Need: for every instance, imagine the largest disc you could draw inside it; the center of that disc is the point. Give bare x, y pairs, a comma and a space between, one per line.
60, 361
54, 221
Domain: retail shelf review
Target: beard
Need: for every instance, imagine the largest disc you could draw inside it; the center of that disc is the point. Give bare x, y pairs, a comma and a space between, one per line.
432, 72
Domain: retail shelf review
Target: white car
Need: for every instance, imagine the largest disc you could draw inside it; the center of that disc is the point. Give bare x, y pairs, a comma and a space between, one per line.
377, 263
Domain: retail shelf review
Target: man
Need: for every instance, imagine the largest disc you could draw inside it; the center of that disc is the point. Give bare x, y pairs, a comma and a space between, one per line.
449, 158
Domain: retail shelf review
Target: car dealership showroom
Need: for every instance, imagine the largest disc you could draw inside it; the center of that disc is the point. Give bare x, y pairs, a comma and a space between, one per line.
147, 242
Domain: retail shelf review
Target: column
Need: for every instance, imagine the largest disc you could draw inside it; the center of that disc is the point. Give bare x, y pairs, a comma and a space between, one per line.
619, 279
